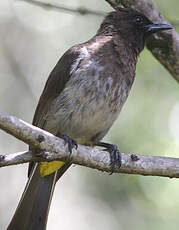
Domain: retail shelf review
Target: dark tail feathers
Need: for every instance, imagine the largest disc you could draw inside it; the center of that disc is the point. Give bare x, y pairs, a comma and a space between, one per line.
32, 211
33, 208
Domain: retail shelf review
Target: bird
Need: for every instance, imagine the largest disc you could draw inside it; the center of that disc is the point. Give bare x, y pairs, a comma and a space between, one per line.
82, 98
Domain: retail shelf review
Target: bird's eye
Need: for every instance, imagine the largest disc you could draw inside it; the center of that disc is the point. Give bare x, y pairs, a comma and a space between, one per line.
138, 20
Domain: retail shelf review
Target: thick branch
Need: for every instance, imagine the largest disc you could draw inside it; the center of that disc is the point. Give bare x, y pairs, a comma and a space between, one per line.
164, 46
54, 149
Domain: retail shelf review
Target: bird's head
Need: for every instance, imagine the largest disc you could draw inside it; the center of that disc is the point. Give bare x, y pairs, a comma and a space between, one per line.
131, 26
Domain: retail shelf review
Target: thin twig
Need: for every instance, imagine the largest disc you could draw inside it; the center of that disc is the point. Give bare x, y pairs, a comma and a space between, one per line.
79, 10
61, 7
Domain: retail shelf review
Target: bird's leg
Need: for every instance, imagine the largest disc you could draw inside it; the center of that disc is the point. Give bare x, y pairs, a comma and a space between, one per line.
114, 154
71, 143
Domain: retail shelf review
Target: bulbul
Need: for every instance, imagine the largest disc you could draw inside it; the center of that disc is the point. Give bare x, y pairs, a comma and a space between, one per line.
82, 98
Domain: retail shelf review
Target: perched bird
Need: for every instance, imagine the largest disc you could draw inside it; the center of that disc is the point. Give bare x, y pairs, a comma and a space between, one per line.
82, 98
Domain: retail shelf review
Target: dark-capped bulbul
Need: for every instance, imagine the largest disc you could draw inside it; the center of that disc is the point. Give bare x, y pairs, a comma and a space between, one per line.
82, 98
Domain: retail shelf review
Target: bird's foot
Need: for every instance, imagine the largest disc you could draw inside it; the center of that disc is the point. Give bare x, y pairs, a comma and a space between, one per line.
114, 154
71, 143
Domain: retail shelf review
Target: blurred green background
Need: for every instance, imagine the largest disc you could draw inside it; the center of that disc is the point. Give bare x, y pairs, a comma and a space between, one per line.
32, 39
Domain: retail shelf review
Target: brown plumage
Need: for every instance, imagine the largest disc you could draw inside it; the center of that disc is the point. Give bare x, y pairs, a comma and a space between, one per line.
82, 98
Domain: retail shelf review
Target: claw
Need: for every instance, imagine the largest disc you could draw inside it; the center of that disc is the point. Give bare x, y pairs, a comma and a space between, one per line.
115, 157
71, 143
114, 154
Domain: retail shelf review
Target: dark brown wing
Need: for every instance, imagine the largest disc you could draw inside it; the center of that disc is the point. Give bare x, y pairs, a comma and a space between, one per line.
56, 83
54, 86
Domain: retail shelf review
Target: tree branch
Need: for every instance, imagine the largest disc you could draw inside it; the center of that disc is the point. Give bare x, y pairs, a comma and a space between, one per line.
164, 46
54, 149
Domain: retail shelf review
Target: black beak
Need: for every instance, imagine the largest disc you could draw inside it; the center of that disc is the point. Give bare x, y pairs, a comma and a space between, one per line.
153, 28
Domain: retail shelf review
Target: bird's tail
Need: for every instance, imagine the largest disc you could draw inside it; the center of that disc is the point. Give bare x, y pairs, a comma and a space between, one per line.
33, 208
